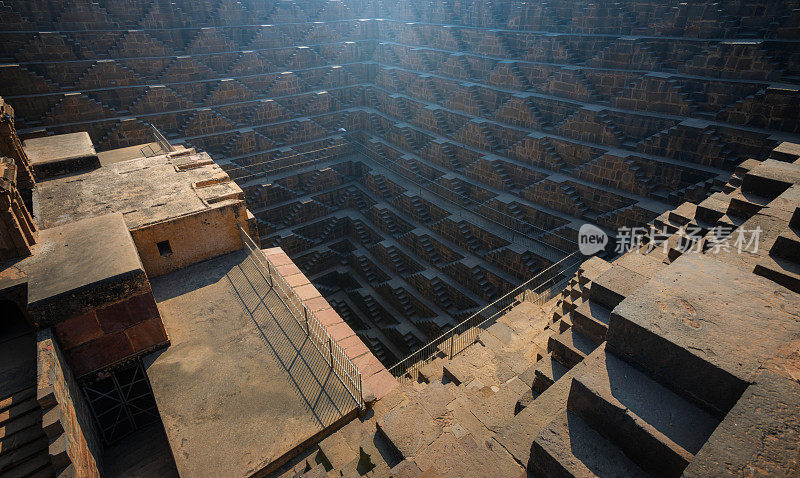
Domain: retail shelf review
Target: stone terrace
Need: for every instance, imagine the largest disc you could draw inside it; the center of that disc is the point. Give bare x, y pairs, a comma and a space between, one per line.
236, 348
677, 358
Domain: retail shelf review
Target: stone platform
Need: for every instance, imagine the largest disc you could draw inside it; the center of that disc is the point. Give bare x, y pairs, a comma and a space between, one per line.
62, 154
168, 202
240, 388
69, 262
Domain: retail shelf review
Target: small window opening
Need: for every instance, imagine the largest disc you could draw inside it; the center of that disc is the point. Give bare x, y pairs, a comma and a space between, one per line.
164, 248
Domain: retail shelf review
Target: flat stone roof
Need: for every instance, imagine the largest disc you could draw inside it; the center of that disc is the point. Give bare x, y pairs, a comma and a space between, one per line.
144, 190
80, 264
240, 387
62, 147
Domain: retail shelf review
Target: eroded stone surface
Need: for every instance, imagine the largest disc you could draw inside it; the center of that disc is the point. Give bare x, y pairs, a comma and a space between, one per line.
704, 327
410, 428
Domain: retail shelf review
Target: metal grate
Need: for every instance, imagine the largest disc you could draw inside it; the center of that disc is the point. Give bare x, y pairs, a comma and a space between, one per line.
121, 403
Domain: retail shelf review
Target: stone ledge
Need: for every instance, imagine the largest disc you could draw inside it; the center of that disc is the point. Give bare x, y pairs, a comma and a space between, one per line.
376, 379
53, 156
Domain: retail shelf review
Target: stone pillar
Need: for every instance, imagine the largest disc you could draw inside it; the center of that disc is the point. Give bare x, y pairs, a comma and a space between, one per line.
17, 230
11, 147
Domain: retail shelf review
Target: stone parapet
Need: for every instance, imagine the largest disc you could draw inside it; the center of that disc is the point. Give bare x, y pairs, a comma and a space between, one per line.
376, 380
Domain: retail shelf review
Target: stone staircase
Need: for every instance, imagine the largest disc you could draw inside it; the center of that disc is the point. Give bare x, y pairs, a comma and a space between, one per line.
468, 238
628, 372
366, 269
432, 256
440, 290
456, 410
647, 400
575, 200
452, 158
380, 181
420, 210
24, 447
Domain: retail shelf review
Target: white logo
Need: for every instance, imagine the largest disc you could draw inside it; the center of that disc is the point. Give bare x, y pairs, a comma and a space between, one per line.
591, 239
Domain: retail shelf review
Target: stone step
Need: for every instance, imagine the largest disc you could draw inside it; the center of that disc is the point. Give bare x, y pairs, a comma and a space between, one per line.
640, 263
782, 271
12, 442
24, 452
31, 419
787, 246
406, 469
18, 409
570, 303
546, 372
495, 406
653, 426
518, 435
524, 400
771, 178
613, 285
662, 224
770, 403
575, 292
366, 464
711, 209
591, 319
408, 429
671, 328
463, 367
317, 472
568, 447
335, 452
37, 463
745, 205
16, 398
570, 347
529, 375
432, 371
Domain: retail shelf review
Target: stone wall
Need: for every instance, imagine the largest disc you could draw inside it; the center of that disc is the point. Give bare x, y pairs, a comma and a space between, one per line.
67, 420
376, 380
11, 147
193, 238
17, 229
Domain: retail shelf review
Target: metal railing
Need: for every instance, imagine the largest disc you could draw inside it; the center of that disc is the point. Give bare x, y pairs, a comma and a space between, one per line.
539, 289
331, 352
162, 141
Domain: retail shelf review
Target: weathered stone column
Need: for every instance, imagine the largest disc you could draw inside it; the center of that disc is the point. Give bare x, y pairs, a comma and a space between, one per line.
17, 230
